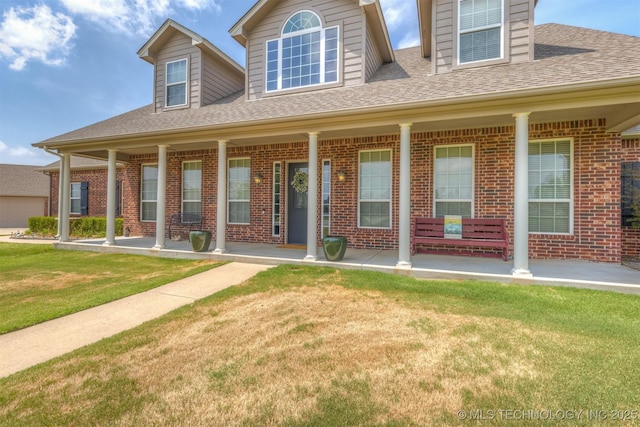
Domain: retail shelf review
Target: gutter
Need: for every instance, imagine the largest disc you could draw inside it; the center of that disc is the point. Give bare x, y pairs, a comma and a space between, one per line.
226, 129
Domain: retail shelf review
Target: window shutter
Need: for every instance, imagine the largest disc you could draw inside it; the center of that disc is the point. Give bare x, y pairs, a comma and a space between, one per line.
84, 198
117, 197
630, 181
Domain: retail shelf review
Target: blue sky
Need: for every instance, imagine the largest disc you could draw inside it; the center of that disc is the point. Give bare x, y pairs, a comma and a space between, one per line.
65, 64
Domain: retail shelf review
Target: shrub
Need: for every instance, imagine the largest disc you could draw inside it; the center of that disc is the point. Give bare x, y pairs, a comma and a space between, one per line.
78, 227
43, 225
93, 227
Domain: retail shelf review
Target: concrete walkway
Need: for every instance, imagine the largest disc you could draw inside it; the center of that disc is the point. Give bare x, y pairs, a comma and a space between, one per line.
28, 347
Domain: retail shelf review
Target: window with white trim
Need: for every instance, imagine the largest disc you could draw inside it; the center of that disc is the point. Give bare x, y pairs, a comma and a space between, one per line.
453, 181
277, 187
239, 191
76, 193
176, 78
375, 189
306, 54
479, 30
149, 192
192, 187
550, 187
326, 198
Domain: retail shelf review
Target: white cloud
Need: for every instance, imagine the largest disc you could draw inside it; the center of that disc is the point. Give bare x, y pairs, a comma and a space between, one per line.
15, 154
35, 33
401, 17
398, 13
409, 40
133, 17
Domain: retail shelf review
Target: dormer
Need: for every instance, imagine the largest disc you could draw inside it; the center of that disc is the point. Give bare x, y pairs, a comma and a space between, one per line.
294, 46
474, 33
189, 71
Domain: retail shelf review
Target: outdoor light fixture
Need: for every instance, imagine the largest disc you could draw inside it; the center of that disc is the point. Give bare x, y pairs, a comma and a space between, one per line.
341, 176
257, 178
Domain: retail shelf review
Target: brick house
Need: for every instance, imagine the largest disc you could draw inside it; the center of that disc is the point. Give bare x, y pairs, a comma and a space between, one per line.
328, 130
88, 187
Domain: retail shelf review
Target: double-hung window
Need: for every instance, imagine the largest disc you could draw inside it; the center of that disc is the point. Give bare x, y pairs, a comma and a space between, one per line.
192, 187
480, 30
75, 198
550, 187
149, 192
454, 181
375, 189
306, 54
239, 190
176, 83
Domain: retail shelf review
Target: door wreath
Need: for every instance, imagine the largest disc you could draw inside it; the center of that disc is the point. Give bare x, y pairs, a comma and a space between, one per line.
300, 182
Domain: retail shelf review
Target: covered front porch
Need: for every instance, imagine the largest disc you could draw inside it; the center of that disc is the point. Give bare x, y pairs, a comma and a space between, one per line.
573, 273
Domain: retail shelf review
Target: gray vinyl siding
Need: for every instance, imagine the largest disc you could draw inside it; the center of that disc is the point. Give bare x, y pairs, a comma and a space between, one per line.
518, 34
218, 81
520, 30
443, 36
176, 48
344, 13
374, 61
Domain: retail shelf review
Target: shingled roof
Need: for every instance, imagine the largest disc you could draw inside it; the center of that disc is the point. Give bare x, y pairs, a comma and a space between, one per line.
23, 181
564, 56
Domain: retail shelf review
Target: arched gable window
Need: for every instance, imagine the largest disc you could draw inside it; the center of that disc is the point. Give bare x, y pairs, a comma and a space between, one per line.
306, 54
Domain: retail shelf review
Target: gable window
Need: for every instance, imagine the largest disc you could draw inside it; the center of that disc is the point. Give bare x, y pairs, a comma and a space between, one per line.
454, 181
239, 191
550, 187
149, 192
480, 30
192, 187
176, 83
375, 189
306, 54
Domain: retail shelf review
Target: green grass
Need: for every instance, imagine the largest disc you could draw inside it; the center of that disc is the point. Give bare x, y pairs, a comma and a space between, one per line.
277, 351
39, 283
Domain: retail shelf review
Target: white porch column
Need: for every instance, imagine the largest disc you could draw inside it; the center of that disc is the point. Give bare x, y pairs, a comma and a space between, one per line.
404, 226
111, 199
60, 194
221, 215
521, 198
161, 202
312, 199
65, 201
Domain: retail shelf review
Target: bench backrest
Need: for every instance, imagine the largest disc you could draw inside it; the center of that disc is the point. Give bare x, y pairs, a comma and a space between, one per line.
472, 228
186, 218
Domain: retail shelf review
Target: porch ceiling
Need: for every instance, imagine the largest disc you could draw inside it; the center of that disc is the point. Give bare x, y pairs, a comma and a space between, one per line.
619, 118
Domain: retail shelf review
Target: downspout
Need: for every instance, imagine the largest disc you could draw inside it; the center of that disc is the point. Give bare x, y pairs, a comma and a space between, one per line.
59, 186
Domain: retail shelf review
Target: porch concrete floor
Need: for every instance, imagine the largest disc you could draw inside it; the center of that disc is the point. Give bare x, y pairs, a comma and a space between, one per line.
582, 274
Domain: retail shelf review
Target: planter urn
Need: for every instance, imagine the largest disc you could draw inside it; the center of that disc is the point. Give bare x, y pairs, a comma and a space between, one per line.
334, 247
200, 240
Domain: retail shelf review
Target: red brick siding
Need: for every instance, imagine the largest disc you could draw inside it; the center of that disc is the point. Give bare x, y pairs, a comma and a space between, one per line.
630, 236
97, 179
597, 156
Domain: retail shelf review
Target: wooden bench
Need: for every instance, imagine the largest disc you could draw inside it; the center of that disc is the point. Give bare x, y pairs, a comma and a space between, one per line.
191, 221
476, 232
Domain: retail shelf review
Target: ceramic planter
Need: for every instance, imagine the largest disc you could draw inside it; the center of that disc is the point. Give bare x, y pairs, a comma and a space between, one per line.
200, 240
334, 247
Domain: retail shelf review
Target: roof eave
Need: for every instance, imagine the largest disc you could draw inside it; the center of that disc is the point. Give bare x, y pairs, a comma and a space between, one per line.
460, 105
374, 15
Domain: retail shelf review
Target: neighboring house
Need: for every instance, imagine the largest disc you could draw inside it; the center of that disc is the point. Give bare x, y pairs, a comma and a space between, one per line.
24, 193
329, 130
87, 189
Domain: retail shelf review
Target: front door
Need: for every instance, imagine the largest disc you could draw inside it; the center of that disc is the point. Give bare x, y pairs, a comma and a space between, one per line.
297, 206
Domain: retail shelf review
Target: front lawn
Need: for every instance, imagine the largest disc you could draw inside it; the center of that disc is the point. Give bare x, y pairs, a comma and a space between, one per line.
305, 346
39, 283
